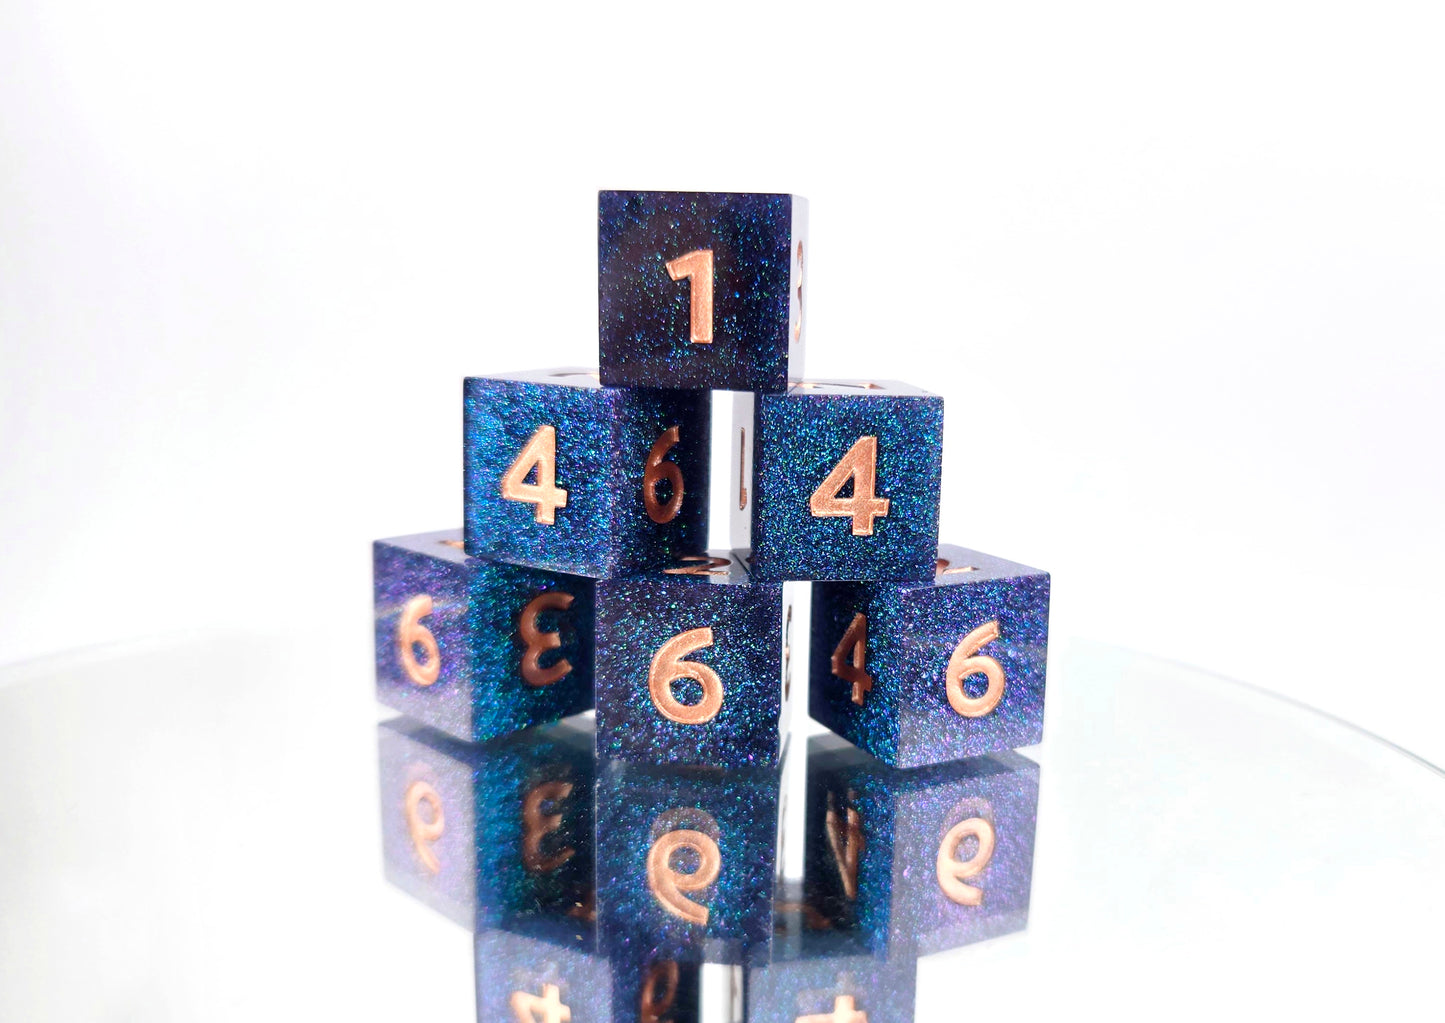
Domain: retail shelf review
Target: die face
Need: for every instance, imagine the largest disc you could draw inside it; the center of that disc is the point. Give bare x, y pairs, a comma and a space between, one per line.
490, 833
521, 977
915, 862
701, 289
819, 987
845, 482
686, 860
650, 987
955, 668
475, 648
564, 474
689, 665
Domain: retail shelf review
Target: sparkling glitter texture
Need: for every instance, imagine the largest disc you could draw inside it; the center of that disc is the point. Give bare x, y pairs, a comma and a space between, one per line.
637, 615
603, 439
913, 629
515, 961
473, 865
480, 692
637, 807
758, 251
828, 966
899, 906
798, 438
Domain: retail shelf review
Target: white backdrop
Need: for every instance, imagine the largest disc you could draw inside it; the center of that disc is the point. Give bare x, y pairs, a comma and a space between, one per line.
1177, 272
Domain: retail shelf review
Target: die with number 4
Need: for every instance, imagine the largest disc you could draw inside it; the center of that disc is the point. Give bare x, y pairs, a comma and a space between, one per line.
920, 673
563, 473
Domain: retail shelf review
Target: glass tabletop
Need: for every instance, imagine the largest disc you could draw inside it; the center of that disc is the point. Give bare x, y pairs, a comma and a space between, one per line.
195, 832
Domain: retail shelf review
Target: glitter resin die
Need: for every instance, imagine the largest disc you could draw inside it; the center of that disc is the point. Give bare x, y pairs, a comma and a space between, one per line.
492, 832
478, 648
686, 859
692, 665
916, 862
701, 289
923, 673
837, 480
820, 975
563, 473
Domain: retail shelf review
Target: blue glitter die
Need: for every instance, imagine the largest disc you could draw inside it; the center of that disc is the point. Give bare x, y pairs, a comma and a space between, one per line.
478, 648
565, 474
915, 862
692, 665
700, 289
488, 833
838, 480
686, 859
922, 673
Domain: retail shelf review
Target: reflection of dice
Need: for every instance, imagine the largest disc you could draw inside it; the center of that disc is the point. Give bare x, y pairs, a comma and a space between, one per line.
488, 833
562, 473
693, 664
922, 673
478, 648
919, 861
828, 977
685, 859
559, 978
837, 480
700, 289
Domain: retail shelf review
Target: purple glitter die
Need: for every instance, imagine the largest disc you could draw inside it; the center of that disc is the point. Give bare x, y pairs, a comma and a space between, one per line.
915, 862
923, 673
838, 480
700, 289
829, 977
478, 648
488, 833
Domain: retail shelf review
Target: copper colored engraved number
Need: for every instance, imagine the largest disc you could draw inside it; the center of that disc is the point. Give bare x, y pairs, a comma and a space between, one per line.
668, 666
845, 839
861, 464
540, 452
655, 472
670, 886
699, 564
654, 1003
952, 872
964, 663
528, 1008
410, 632
798, 324
946, 567
850, 657
539, 642
742, 468
424, 832
538, 825
844, 1011
696, 265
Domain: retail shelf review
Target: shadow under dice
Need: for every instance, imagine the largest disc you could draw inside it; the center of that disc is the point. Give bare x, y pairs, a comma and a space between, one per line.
916, 862
565, 474
838, 480
700, 289
488, 833
923, 673
478, 648
691, 665
686, 859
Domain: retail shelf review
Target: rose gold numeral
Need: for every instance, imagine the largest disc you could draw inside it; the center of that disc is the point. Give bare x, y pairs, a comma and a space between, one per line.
541, 453
798, 323
539, 642
697, 265
658, 470
845, 838
528, 1008
654, 1003
538, 825
742, 468
861, 464
699, 565
411, 633
668, 885
963, 663
668, 666
945, 567
844, 1011
851, 655
952, 872
424, 832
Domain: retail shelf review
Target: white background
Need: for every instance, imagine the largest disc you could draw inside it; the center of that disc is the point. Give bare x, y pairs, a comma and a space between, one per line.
1176, 270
